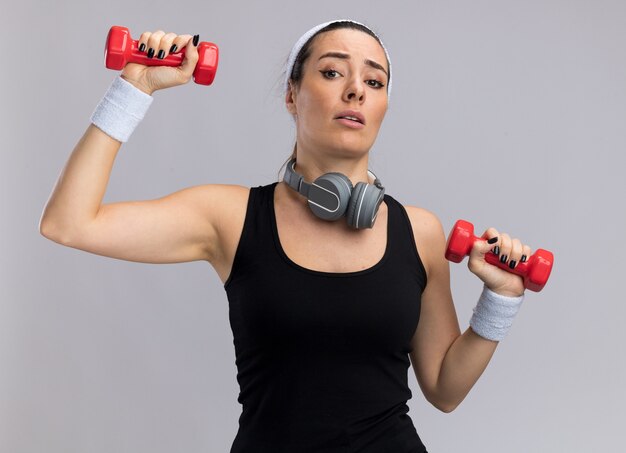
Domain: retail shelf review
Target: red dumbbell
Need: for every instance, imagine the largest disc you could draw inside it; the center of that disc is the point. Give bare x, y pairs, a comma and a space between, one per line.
120, 49
535, 270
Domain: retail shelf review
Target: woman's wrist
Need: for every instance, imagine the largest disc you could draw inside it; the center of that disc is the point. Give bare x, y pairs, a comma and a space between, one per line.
505, 292
138, 85
494, 313
121, 109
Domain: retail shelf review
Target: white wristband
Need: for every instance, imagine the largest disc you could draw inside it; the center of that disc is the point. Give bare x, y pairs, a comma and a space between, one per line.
493, 314
121, 109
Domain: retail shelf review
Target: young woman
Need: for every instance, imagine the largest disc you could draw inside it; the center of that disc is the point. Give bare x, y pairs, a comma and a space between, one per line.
334, 287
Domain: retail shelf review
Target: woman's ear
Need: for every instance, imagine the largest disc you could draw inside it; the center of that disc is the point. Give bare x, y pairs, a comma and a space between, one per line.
290, 99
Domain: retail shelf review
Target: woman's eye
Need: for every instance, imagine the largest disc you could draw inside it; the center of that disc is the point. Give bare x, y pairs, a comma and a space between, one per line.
376, 84
333, 74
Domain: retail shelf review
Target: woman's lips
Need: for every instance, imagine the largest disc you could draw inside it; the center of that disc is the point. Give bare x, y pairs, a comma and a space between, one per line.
351, 123
352, 119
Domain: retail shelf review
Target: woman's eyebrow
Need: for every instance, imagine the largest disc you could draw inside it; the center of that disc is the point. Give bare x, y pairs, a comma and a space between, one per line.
345, 56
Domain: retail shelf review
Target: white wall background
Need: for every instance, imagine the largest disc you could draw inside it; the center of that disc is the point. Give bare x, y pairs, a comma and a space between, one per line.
507, 113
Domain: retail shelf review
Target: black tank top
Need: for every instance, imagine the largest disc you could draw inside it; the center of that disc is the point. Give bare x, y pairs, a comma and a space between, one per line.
322, 357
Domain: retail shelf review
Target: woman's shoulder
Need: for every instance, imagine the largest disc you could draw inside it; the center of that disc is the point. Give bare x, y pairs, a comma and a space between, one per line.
428, 232
424, 222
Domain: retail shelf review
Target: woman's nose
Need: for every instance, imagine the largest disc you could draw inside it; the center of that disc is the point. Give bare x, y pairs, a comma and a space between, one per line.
355, 90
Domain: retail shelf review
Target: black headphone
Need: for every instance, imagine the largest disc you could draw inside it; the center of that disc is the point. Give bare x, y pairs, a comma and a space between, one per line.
332, 194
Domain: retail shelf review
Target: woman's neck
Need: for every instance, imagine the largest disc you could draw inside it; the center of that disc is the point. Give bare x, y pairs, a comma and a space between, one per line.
354, 170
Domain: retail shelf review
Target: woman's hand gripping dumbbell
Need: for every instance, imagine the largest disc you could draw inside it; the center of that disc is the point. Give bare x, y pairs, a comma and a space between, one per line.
160, 60
501, 252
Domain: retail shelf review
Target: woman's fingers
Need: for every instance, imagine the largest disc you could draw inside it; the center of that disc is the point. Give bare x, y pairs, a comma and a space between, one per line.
161, 43
191, 57
164, 46
180, 41
153, 42
476, 260
516, 253
492, 240
505, 247
512, 251
142, 42
526, 252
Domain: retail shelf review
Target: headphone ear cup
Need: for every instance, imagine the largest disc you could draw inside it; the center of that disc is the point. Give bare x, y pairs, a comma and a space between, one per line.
329, 196
364, 204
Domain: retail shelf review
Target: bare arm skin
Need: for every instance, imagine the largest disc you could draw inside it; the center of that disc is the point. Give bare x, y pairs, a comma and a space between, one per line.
145, 231
180, 227
446, 363
77, 195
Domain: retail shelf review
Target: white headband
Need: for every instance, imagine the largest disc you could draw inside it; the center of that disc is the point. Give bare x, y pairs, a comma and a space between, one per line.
305, 38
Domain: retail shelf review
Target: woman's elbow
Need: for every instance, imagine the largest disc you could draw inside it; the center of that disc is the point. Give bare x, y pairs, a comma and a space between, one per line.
446, 408
443, 405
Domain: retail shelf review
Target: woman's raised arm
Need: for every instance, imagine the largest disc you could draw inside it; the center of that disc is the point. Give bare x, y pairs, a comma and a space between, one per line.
182, 226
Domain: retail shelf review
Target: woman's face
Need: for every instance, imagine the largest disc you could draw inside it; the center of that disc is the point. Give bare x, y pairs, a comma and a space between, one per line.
346, 71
